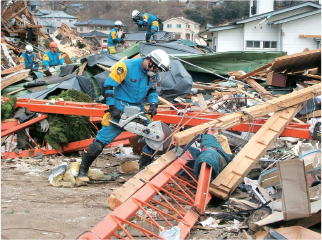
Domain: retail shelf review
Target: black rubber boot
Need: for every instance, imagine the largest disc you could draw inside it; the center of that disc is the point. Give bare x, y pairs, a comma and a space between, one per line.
144, 161
89, 157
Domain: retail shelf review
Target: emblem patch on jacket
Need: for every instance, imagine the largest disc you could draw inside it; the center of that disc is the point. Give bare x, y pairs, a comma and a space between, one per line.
120, 70
133, 80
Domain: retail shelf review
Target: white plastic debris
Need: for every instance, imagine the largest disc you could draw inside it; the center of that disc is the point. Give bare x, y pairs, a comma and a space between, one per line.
60, 170
171, 234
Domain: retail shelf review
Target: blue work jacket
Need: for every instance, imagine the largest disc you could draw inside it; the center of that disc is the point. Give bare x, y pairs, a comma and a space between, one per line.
148, 18
29, 61
53, 59
113, 36
131, 85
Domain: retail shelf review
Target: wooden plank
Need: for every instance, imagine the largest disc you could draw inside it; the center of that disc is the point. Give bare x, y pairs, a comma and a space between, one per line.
81, 70
13, 69
249, 95
17, 13
164, 101
258, 88
130, 187
295, 232
313, 76
255, 71
257, 111
201, 101
13, 78
309, 36
254, 149
13, 92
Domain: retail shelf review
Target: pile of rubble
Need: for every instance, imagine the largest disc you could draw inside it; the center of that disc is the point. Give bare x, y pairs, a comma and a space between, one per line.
236, 143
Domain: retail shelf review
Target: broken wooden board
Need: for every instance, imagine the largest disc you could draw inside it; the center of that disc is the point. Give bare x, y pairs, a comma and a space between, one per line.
254, 112
233, 174
258, 88
295, 232
13, 78
81, 70
13, 69
297, 62
131, 186
255, 71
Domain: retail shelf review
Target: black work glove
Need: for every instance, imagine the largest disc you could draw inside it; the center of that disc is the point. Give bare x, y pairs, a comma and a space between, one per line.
123, 35
115, 112
122, 40
153, 108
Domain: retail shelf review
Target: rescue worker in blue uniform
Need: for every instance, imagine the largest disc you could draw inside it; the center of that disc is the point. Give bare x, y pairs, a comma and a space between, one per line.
149, 20
129, 84
52, 57
113, 39
29, 58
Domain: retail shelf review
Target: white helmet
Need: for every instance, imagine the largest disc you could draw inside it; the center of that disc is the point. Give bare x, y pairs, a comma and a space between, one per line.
29, 48
135, 15
118, 24
160, 59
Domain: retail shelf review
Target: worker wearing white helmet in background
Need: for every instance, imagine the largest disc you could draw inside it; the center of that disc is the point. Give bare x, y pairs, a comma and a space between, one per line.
29, 58
113, 39
131, 83
147, 20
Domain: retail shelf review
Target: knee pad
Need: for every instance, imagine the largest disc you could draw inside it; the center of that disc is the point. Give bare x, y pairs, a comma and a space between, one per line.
95, 148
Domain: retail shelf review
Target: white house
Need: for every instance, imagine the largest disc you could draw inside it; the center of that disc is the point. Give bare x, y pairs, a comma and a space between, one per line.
182, 27
278, 30
53, 19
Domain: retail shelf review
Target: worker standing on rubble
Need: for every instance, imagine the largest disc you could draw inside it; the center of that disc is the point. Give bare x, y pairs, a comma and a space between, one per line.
149, 20
129, 84
29, 58
113, 39
52, 57
104, 47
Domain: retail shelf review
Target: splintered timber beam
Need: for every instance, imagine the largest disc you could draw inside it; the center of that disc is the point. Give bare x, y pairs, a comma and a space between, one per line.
234, 173
248, 114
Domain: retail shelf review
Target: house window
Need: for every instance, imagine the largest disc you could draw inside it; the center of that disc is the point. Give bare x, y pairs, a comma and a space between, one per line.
169, 25
187, 26
196, 26
71, 20
178, 25
268, 44
81, 29
253, 44
58, 20
92, 27
47, 30
104, 28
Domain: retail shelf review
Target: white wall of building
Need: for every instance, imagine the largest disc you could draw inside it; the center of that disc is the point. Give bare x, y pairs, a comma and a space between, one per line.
292, 43
264, 32
183, 28
230, 40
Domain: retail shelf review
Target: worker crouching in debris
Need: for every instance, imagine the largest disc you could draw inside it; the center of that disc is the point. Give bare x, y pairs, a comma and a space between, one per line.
113, 39
52, 57
29, 58
129, 84
147, 20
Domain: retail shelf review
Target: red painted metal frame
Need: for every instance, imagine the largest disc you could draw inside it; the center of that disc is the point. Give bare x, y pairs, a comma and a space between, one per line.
143, 199
7, 125
167, 116
71, 147
23, 125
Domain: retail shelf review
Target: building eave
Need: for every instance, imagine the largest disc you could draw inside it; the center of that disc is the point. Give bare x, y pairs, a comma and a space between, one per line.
280, 11
296, 17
